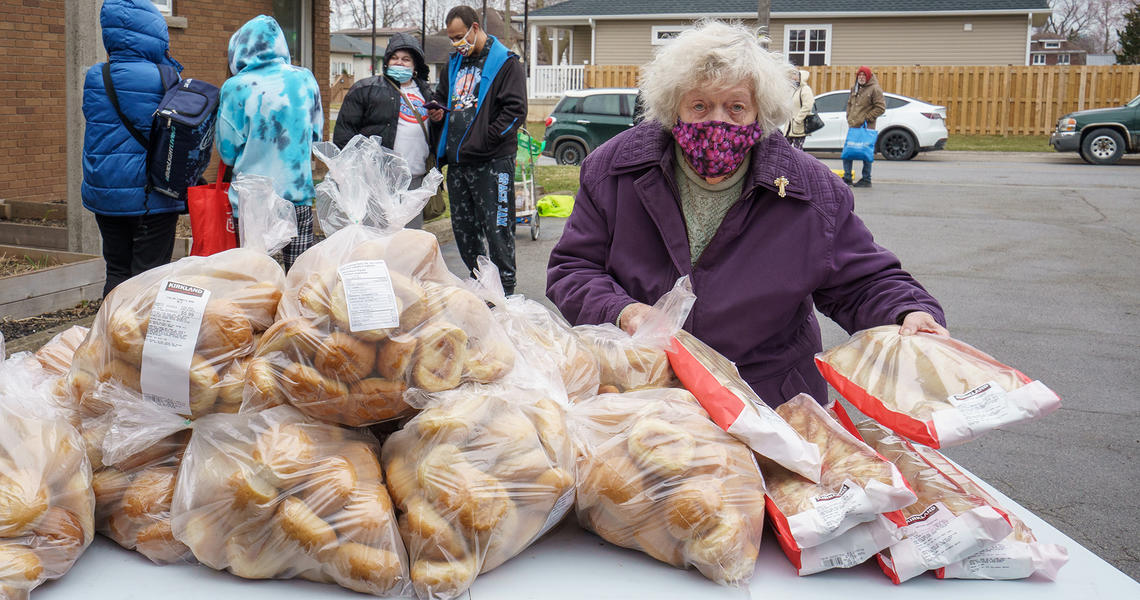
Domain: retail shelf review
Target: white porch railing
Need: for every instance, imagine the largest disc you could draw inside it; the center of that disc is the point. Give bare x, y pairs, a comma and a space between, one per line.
551, 81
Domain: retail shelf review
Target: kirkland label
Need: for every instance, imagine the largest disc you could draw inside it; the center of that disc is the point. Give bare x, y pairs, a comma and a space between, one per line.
984, 406
834, 507
168, 349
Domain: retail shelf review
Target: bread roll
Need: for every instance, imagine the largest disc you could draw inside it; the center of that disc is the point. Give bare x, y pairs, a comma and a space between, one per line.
300, 524
439, 358
367, 570
23, 500
150, 493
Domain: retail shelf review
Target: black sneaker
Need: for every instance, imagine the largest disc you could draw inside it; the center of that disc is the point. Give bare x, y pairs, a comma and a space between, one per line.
847, 180
862, 183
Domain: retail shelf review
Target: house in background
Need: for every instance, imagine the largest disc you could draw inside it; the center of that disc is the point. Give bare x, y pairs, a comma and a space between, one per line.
350, 56
1052, 49
809, 32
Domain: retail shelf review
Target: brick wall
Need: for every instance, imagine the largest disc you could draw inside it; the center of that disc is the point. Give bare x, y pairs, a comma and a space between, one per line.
33, 110
33, 76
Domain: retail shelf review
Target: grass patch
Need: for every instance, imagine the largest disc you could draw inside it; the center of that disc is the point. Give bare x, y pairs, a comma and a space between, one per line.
19, 265
558, 179
536, 129
999, 143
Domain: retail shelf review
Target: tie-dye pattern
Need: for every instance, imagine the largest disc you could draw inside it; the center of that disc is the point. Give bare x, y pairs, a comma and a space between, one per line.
270, 112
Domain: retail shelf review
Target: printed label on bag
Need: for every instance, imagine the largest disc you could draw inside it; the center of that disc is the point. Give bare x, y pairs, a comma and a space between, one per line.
985, 405
935, 535
561, 507
834, 507
843, 561
168, 349
369, 295
1003, 560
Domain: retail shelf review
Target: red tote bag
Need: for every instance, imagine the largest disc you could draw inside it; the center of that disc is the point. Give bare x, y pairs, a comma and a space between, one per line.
211, 217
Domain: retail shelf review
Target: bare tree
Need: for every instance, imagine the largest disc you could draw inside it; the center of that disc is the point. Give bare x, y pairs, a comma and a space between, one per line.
1106, 17
1069, 19
358, 13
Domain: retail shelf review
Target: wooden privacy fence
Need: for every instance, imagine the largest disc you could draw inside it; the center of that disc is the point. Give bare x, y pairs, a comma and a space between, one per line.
979, 100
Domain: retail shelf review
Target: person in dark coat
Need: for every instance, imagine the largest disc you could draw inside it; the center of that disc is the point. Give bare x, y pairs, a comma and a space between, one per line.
483, 86
392, 106
137, 224
765, 233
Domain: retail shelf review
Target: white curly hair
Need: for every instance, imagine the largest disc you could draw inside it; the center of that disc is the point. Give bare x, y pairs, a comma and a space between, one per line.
717, 54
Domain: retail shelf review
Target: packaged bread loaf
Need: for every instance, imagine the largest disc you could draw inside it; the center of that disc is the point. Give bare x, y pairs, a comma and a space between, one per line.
276, 494
856, 484
656, 475
735, 408
477, 476
1018, 556
46, 505
372, 311
175, 332
540, 334
934, 390
946, 524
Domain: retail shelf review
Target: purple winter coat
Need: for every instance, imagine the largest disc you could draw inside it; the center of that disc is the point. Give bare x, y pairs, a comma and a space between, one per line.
755, 283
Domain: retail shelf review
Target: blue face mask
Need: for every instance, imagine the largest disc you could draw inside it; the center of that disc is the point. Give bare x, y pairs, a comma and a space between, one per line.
399, 72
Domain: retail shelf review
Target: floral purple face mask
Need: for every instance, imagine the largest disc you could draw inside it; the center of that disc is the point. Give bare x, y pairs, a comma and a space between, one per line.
715, 148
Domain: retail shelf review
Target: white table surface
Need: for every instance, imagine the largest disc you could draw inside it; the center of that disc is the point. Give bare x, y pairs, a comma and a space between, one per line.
573, 564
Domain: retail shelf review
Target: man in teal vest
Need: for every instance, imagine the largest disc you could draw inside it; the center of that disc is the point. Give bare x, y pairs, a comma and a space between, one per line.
483, 89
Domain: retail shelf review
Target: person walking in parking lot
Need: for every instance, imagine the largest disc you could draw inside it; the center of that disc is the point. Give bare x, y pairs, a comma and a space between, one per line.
803, 100
483, 88
865, 104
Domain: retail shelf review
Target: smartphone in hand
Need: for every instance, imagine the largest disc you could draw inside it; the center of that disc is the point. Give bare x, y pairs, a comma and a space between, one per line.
433, 105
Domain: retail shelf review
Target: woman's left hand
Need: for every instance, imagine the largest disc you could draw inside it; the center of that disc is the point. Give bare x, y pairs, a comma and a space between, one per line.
921, 321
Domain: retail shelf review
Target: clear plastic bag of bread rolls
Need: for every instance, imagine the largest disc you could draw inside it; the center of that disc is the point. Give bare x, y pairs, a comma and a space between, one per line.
856, 484
629, 363
656, 475
935, 390
366, 316
46, 505
477, 476
240, 289
136, 466
277, 495
541, 334
268, 222
56, 355
367, 184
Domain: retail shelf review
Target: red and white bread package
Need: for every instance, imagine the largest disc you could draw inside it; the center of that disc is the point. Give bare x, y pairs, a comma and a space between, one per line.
945, 525
856, 486
931, 389
1018, 556
735, 408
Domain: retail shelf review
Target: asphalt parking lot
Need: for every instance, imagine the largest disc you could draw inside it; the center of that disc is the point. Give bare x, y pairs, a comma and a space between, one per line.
1034, 257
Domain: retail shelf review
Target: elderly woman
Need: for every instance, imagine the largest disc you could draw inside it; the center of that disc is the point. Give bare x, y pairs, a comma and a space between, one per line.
765, 233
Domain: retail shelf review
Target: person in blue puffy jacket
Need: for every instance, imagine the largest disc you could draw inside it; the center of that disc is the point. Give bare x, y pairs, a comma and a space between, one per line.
137, 225
269, 115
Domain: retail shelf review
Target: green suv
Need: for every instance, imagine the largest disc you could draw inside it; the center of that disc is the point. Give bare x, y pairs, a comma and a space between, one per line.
585, 119
1101, 135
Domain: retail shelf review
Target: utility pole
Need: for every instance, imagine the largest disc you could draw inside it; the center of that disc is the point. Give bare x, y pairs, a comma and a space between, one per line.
373, 65
763, 16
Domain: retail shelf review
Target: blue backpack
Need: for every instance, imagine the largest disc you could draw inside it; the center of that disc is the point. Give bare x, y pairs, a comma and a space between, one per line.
181, 133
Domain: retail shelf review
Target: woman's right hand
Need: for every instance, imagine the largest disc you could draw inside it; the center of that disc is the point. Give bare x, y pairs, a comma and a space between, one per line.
633, 316
435, 114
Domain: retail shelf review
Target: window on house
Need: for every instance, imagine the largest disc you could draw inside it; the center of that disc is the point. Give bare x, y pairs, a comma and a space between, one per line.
808, 44
164, 6
1062, 59
295, 18
1052, 45
1038, 59
663, 34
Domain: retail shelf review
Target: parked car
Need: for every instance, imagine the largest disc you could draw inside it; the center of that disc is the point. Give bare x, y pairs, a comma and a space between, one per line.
1101, 135
585, 119
909, 126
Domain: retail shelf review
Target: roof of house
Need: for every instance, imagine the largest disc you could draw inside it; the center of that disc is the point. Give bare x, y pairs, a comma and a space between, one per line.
1038, 40
340, 43
602, 8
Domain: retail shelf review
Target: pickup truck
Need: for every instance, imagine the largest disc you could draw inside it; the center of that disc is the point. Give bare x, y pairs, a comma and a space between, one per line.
1101, 135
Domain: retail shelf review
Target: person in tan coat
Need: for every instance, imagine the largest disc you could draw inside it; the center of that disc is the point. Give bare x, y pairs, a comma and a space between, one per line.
864, 105
802, 99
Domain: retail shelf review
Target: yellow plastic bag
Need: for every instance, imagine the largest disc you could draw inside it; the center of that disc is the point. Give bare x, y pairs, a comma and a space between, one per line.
555, 206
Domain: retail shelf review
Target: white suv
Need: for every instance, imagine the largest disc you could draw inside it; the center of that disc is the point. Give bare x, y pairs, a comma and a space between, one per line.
909, 126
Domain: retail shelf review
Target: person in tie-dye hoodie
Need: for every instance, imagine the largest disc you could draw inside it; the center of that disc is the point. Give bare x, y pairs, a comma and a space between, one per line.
269, 115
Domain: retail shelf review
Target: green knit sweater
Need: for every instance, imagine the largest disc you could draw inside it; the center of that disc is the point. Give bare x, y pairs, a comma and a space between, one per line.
703, 204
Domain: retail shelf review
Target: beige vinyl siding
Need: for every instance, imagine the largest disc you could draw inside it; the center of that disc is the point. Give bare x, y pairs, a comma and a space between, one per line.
998, 40
581, 45
994, 40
